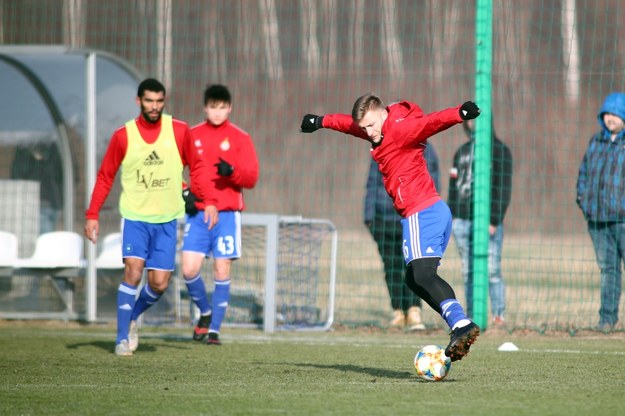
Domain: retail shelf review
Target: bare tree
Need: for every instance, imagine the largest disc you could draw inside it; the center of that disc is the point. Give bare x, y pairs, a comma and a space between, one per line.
214, 44
164, 41
442, 28
271, 39
570, 51
356, 34
510, 53
310, 45
389, 41
73, 23
248, 45
330, 34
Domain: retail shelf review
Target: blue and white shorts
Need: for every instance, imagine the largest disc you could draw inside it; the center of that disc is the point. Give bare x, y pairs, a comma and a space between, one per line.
426, 233
223, 241
154, 243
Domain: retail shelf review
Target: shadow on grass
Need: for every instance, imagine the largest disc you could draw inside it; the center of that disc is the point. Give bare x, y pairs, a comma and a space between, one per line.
170, 343
372, 371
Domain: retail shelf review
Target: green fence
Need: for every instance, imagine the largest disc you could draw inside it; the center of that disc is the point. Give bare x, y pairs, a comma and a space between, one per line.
552, 65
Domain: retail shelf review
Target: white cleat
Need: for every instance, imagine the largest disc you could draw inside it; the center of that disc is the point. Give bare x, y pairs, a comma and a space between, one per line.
133, 336
122, 348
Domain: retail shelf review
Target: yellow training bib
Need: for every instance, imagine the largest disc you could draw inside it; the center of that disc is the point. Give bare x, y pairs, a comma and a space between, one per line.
151, 176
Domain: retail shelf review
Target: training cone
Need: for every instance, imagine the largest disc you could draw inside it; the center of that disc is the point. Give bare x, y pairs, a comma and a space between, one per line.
507, 346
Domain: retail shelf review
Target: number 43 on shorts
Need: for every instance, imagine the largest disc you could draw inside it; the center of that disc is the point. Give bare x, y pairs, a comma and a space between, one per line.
225, 245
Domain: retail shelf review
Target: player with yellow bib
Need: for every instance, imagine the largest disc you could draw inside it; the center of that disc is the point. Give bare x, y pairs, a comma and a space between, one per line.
152, 151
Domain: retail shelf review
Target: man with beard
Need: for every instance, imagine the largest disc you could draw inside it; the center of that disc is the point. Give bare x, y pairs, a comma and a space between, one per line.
152, 151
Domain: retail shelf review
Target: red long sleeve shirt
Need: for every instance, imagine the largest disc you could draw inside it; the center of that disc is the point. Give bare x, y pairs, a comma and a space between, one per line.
228, 142
400, 154
190, 154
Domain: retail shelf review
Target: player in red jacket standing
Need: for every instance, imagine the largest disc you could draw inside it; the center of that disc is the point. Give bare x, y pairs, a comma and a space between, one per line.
398, 135
231, 151
152, 151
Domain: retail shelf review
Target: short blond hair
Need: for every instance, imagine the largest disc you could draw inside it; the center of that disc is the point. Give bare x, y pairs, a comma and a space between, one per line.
364, 104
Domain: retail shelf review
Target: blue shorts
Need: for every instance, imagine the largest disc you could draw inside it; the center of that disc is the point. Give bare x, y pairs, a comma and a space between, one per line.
154, 243
427, 232
222, 242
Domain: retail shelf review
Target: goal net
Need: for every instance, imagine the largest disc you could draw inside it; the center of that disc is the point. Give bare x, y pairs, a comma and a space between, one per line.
285, 278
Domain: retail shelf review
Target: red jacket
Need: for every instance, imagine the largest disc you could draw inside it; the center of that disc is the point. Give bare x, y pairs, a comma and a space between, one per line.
190, 155
400, 154
235, 146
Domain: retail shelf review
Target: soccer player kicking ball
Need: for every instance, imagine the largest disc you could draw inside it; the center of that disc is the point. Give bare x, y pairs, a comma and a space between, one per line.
398, 135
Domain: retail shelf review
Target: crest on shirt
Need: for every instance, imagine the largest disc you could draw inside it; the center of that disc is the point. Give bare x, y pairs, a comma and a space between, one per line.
225, 145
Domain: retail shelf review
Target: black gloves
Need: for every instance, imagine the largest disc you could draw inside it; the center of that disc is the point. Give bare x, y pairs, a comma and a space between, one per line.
469, 110
311, 123
224, 168
189, 201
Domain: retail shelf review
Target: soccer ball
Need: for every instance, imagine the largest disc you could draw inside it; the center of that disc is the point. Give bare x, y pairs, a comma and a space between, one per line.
431, 363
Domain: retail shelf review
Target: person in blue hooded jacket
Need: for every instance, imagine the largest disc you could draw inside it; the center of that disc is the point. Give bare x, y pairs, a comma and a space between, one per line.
601, 197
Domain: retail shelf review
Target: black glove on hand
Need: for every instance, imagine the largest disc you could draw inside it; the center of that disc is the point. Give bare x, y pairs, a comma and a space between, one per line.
189, 201
224, 168
469, 110
311, 123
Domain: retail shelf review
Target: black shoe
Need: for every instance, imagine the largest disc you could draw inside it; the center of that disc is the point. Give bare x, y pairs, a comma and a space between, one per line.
201, 329
461, 340
213, 338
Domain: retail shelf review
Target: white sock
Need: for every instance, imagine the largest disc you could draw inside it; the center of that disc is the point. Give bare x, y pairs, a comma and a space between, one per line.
461, 323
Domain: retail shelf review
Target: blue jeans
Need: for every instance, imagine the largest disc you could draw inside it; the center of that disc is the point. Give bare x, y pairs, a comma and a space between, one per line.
463, 234
47, 219
608, 238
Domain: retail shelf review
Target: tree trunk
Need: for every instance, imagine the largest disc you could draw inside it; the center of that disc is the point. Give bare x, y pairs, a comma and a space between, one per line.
310, 45
214, 44
330, 35
443, 23
247, 39
73, 26
389, 41
164, 41
271, 39
570, 52
356, 34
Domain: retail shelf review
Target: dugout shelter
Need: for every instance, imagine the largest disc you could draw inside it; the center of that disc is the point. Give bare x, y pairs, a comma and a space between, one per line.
71, 100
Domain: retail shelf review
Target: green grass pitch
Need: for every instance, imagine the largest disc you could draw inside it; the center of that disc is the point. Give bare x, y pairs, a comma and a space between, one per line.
66, 369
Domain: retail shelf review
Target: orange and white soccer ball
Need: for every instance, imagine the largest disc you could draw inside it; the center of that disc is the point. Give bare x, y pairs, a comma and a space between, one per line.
431, 363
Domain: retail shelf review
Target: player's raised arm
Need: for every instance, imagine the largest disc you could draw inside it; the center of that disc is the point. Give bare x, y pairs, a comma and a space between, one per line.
420, 129
343, 123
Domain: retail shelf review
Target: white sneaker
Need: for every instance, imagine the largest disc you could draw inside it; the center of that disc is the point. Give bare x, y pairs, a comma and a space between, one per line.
133, 336
122, 348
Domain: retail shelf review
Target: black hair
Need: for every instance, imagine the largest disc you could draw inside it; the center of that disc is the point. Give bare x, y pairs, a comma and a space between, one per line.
217, 93
150, 84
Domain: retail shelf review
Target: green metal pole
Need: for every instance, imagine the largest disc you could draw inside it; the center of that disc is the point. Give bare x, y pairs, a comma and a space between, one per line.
482, 158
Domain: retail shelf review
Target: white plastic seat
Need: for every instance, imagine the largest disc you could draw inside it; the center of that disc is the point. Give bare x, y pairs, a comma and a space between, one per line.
58, 249
110, 256
8, 253
8, 249
59, 256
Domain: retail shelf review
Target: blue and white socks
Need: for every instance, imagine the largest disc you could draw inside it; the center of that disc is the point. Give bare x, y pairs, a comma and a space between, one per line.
126, 295
147, 298
453, 314
197, 293
221, 297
